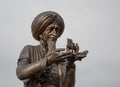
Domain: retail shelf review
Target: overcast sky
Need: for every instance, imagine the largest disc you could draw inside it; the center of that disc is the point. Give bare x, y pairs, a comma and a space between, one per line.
93, 24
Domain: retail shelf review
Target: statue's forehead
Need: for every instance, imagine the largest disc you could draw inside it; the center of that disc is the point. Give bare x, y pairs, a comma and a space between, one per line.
55, 24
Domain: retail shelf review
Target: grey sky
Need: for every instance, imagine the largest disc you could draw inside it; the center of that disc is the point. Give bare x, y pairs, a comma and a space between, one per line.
93, 24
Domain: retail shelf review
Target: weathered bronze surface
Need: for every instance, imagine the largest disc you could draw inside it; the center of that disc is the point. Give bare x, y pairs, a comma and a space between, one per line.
45, 65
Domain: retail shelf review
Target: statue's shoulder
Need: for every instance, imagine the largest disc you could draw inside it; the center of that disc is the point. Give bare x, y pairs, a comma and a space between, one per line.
25, 53
29, 47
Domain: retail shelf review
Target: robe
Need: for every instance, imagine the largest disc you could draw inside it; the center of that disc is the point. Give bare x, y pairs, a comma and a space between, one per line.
55, 75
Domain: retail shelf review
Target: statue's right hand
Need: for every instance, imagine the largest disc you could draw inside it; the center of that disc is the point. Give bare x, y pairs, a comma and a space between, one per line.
63, 57
52, 55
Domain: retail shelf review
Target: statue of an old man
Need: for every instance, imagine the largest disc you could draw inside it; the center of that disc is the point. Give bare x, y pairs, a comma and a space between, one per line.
45, 65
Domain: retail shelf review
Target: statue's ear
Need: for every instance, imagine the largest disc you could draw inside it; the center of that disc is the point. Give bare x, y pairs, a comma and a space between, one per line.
40, 37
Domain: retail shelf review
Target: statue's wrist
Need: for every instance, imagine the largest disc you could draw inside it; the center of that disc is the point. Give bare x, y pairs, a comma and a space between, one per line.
70, 65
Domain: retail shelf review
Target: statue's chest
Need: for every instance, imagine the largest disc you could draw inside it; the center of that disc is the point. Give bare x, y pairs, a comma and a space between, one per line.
58, 70
54, 73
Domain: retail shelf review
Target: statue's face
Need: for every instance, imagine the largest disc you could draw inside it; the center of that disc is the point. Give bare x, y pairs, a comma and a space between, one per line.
51, 32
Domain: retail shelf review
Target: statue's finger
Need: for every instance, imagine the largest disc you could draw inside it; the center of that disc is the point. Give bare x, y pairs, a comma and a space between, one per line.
64, 56
60, 49
85, 52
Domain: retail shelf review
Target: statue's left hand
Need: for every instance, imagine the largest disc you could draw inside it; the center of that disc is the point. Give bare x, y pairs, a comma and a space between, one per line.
57, 56
80, 55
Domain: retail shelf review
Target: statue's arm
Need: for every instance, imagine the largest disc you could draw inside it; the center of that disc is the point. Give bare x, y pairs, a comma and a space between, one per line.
25, 69
70, 76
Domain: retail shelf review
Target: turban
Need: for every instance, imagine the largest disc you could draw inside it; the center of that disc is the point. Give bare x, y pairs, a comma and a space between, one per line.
42, 20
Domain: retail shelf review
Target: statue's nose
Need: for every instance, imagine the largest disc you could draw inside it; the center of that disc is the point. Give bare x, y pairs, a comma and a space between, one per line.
53, 32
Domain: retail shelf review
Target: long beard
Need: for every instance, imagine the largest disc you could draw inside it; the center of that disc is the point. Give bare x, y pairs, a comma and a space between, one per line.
51, 46
49, 42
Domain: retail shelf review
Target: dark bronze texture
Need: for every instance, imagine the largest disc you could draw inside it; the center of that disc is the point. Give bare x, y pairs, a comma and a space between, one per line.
45, 65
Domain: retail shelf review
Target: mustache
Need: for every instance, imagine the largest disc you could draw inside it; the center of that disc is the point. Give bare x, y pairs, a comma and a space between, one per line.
50, 37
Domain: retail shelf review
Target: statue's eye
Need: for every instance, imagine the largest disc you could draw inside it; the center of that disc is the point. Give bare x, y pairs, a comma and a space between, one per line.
56, 28
52, 28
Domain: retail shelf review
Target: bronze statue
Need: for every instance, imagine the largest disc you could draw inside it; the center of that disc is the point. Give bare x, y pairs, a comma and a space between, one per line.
45, 65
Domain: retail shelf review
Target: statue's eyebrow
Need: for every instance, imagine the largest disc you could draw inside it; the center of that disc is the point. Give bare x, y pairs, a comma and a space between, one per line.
50, 26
